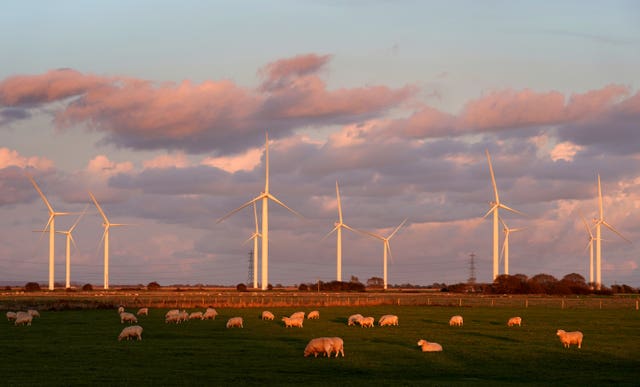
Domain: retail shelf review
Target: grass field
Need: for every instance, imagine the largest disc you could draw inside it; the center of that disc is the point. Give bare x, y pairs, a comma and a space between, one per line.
80, 347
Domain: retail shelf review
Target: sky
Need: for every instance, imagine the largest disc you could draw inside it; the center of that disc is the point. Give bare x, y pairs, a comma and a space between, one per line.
160, 109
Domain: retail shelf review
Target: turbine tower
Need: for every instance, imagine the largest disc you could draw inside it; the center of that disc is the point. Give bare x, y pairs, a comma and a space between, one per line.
338, 229
600, 221
590, 247
255, 236
505, 244
51, 225
495, 206
265, 196
69, 241
386, 248
105, 236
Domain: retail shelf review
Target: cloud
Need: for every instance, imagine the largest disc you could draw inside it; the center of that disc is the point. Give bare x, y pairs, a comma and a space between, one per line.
10, 157
246, 161
178, 160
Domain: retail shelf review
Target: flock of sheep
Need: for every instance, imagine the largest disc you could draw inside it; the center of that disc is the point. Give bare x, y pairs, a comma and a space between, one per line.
325, 346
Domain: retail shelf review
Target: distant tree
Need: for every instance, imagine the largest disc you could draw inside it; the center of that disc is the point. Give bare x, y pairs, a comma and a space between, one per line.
576, 283
509, 284
303, 287
354, 279
32, 287
542, 284
87, 287
375, 282
153, 286
269, 287
241, 287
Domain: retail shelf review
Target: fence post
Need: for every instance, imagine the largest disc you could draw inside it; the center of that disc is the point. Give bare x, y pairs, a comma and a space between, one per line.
460, 302
600, 304
526, 303
563, 304
492, 302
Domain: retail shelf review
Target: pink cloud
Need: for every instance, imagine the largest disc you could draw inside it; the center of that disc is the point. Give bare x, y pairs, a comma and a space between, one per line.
277, 74
167, 161
246, 161
9, 157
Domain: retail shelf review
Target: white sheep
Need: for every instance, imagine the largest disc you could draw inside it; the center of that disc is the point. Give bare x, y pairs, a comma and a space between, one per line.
23, 318
367, 322
354, 319
172, 312
292, 322
338, 346
11, 316
568, 338
133, 331
210, 314
514, 321
429, 347
183, 316
235, 322
266, 315
33, 313
128, 317
172, 318
143, 312
455, 321
195, 316
319, 346
388, 319
313, 315
297, 315
120, 309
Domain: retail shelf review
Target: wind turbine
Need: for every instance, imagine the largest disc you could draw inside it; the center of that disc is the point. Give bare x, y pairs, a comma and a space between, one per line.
386, 248
495, 206
265, 196
338, 229
505, 244
600, 221
105, 236
590, 247
255, 237
51, 225
69, 240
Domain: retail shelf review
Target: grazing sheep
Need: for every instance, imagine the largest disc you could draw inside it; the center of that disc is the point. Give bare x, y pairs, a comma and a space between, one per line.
196, 316
120, 309
455, 321
388, 319
172, 312
172, 318
313, 315
33, 313
210, 314
367, 322
338, 346
429, 347
354, 319
292, 322
128, 317
235, 322
143, 311
23, 318
133, 331
183, 316
514, 321
266, 315
297, 315
11, 316
320, 345
568, 338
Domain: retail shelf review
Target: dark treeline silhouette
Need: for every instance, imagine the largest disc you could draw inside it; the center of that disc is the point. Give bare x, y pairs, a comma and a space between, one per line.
352, 286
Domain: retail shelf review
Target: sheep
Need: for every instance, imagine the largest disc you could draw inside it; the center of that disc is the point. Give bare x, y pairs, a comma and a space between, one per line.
320, 345
338, 346
210, 314
388, 319
235, 322
183, 316
266, 315
313, 315
297, 315
354, 319
133, 331
429, 347
128, 317
120, 309
292, 322
11, 316
172, 318
367, 322
195, 316
143, 311
33, 313
23, 318
514, 321
568, 338
171, 313
455, 321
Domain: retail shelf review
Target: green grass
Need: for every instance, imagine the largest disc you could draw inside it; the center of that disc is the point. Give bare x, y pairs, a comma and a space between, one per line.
80, 348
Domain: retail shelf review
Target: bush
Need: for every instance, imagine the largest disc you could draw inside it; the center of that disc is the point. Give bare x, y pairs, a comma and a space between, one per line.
32, 287
153, 286
87, 287
241, 287
303, 287
269, 287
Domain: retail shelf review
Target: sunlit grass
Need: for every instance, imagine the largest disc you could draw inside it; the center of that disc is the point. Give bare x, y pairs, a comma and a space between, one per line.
81, 347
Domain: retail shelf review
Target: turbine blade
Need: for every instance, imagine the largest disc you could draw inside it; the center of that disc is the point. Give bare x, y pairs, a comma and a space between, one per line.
388, 247
586, 225
255, 215
493, 177
493, 208
339, 203
350, 228
397, 228
240, 208
600, 209
250, 238
330, 232
504, 225
610, 227
266, 159
270, 196
504, 243
44, 198
73, 241
367, 233
104, 217
79, 217
511, 209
